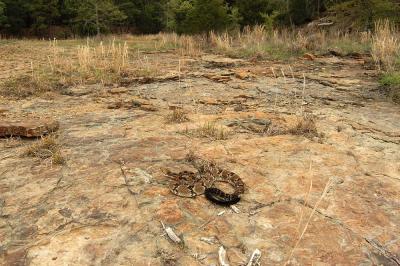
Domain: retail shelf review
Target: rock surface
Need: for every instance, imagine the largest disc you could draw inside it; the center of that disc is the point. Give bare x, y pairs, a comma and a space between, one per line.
27, 128
327, 201
309, 56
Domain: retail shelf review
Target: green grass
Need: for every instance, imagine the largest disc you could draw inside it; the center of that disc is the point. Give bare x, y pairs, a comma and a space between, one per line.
351, 46
271, 51
266, 51
6, 41
391, 81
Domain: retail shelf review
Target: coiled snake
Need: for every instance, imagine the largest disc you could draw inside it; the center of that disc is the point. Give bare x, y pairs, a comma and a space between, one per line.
191, 184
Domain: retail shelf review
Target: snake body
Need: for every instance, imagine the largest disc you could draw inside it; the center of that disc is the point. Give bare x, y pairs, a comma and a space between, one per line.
218, 196
191, 184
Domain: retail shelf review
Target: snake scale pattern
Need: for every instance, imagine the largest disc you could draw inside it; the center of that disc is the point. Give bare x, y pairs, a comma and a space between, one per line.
191, 184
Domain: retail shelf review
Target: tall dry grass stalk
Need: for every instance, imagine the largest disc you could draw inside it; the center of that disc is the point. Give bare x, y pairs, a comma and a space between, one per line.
190, 46
385, 46
285, 43
112, 57
328, 186
253, 41
222, 42
186, 45
105, 62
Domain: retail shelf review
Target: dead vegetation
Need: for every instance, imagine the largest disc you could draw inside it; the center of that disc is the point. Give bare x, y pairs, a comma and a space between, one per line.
119, 60
71, 63
24, 86
11, 142
208, 130
386, 46
48, 147
261, 42
386, 54
168, 258
177, 116
305, 126
94, 62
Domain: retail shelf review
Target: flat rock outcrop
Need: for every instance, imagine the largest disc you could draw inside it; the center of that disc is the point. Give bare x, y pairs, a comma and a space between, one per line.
327, 199
28, 128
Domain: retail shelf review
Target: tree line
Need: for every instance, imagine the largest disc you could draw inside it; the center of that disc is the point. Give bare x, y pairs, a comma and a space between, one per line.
66, 18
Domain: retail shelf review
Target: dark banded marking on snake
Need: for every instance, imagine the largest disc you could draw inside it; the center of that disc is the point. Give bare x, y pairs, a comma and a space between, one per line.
221, 198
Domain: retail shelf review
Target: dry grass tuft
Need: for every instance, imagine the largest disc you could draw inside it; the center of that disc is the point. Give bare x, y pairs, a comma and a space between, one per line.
177, 116
58, 158
28, 85
11, 142
120, 60
208, 130
58, 65
328, 186
254, 42
46, 148
305, 126
168, 258
283, 44
186, 45
385, 46
91, 63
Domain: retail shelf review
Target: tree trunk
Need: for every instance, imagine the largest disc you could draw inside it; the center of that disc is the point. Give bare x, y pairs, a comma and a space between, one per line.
97, 19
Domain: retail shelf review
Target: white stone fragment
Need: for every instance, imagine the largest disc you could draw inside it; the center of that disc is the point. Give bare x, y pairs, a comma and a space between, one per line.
222, 256
146, 177
199, 257
235, 209
171, 234
209, 240
255, 258
220, 213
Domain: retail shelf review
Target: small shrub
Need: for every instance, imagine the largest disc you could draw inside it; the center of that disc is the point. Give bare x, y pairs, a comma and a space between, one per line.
391, 82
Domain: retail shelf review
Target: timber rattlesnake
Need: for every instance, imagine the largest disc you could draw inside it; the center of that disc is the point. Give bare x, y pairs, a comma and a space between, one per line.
191, 184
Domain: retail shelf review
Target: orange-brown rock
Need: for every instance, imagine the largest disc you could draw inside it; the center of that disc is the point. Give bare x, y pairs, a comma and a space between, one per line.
209, 101
309, 56
243, 75
118, 90
218, 78
27, 128
141, 104
169, 212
